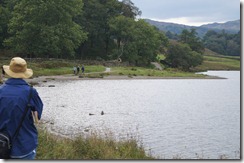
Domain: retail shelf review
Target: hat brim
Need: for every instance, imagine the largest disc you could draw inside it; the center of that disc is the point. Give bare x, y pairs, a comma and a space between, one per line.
25, 75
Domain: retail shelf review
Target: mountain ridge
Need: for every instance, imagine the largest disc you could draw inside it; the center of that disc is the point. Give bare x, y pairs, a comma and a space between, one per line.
232, 27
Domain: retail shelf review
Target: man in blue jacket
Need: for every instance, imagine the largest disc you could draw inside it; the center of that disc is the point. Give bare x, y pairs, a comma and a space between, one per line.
13, 100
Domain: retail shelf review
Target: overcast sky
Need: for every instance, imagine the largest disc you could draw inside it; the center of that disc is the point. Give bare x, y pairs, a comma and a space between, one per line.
190, 12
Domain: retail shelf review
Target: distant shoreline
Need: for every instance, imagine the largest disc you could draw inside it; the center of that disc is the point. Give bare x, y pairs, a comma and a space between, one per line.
43, 79
39, 79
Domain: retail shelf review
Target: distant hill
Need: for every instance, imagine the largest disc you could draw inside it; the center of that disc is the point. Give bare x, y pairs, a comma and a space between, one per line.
230, 27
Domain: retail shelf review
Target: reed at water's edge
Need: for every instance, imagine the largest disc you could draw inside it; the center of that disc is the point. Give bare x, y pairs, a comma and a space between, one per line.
92, 147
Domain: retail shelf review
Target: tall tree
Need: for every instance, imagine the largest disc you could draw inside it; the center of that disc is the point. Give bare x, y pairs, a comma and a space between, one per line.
97, 14
45, 28
129, 9
121, 28
190, 38
145, 43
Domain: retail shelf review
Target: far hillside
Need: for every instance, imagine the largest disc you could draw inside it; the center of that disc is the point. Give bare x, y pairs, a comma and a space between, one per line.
231, 27
215, 61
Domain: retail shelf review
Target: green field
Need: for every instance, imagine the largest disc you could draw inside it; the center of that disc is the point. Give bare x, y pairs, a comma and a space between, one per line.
219, 63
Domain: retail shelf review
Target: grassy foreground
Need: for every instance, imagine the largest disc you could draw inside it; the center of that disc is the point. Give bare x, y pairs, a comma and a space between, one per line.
91, 148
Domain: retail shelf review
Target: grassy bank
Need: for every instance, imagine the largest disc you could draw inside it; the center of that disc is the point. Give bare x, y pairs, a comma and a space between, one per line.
139, 71
219, 63
63, 67
93, 147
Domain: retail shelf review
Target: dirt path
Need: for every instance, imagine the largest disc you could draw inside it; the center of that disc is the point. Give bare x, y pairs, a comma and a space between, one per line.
157, 65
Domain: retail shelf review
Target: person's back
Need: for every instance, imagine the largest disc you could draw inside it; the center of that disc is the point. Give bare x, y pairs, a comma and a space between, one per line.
74, 69
78, 69
83, 69
14, 95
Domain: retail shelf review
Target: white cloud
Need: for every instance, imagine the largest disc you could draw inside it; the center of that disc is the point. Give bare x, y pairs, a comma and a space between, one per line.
190, 12
183, 20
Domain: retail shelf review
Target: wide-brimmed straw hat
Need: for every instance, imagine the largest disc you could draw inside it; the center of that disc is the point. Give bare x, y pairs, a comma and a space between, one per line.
18, 68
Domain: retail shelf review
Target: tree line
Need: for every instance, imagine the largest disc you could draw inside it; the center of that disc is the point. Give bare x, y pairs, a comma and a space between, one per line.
84, 29
220, 42
223, 43
91, 29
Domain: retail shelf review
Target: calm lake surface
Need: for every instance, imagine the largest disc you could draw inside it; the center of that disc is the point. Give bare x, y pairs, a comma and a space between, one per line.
185, 118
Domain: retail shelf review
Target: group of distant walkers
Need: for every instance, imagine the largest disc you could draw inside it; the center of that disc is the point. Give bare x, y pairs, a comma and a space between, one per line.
76, 69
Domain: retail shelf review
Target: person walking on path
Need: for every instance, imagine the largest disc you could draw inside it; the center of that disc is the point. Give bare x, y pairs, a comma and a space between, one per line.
14, 94
74, 69
78, 70
83, 69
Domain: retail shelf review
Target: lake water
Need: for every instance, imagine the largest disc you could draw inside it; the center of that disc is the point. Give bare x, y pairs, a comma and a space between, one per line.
180, 118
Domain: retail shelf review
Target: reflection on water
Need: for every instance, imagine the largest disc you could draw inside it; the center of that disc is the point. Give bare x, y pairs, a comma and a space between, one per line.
185, 118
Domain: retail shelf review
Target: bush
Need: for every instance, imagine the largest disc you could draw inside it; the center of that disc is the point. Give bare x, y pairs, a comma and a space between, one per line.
181, 56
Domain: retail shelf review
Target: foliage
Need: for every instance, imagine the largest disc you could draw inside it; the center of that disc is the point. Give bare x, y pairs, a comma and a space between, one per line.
129, 9
146, 43
122, 31
181, 56
88, 29
223, 43
190, 38
95, 19
187, 53
45, 28
4, 18
95, 29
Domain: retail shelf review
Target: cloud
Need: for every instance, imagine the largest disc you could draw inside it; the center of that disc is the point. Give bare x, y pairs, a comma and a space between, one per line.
191, 11
185, 20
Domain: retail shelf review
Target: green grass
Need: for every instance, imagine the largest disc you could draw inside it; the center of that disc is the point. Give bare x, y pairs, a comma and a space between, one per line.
92, 147
63, 67
48, 68
63, 70
219, 63
139, 71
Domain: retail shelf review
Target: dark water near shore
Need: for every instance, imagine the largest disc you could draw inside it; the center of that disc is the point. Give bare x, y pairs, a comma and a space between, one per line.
186, 118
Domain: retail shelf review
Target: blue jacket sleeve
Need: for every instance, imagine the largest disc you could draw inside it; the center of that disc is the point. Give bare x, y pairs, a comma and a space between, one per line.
36, 103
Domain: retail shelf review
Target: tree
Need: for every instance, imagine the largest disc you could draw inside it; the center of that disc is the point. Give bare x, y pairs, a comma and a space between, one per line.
95, 21
190, 38
45, 28
3, 24
181, 56
5, 15
121, 28
145, 44
129, 9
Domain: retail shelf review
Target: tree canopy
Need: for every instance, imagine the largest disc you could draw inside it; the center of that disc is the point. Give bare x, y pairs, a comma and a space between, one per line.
187, 53
84, 29
45, 28
101, 30
223, 43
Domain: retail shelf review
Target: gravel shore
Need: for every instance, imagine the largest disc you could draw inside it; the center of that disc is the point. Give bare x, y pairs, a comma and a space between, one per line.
37, 80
